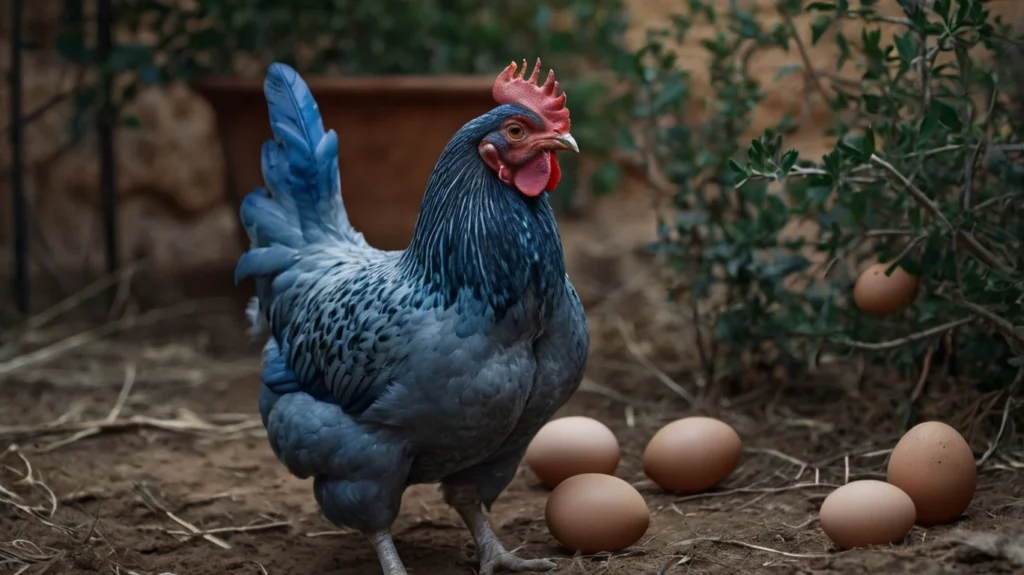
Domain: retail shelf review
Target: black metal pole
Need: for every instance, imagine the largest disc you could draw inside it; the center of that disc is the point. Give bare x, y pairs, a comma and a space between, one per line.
19, 204
108, 180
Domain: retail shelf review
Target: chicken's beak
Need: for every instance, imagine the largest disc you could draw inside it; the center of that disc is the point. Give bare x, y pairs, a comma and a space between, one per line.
564, 142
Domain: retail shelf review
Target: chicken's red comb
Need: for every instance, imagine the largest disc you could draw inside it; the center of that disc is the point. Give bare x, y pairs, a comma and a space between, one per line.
512, 88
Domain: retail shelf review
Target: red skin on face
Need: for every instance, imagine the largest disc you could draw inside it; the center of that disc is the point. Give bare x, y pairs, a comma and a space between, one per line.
528, 163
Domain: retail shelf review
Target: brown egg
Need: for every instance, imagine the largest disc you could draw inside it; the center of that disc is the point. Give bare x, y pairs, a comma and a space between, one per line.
691, 455
880, 295
570, 446
595, 512
868, 512
934, 465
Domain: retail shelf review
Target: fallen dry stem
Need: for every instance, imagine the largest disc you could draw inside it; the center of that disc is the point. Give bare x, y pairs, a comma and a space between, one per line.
739, 543
74, 300
803, 525
122, 398
157, 507
24, 553
634, 350
1007, 408
63, 346
87, 428
232, 529
777, 454
758, 490
926, 369
41, 513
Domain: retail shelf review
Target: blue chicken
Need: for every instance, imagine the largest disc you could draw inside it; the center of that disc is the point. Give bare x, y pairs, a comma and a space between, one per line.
437, 363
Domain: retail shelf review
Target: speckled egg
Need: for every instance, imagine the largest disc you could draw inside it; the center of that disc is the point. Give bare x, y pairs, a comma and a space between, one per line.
934, 465
570, 446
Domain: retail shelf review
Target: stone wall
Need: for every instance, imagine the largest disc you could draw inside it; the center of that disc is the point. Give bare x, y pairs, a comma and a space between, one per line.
174, 204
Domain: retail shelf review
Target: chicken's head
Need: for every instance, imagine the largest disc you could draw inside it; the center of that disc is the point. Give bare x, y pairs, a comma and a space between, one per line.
521, 150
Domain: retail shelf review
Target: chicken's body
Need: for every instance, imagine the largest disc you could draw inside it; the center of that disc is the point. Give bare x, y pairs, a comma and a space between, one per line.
438, 363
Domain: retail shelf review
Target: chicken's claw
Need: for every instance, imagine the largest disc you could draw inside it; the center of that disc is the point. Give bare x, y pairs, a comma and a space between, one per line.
495, 559
492, 554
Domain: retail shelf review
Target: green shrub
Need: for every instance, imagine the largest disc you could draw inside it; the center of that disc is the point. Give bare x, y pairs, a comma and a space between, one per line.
922, 176
168, 40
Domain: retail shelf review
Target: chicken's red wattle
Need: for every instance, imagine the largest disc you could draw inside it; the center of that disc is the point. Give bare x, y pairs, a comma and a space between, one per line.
539, 174
556, 174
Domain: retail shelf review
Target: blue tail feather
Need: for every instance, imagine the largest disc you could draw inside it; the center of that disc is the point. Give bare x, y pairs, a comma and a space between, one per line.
300, 207
309, 155
273, 161
267, 261
268, 222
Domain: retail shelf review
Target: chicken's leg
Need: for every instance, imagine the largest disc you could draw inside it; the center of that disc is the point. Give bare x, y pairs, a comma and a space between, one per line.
493, 555
390, 563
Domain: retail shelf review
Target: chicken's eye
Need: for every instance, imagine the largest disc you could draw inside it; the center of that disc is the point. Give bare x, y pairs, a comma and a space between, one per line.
515, 132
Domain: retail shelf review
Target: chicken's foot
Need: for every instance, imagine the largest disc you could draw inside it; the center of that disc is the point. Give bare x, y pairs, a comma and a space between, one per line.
390, 563
493, 555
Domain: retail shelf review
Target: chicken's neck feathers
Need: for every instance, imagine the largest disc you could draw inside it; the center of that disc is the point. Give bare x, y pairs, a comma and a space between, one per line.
477, 236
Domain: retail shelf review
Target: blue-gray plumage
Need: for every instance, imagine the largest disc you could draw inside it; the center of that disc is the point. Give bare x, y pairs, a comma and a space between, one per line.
437, 363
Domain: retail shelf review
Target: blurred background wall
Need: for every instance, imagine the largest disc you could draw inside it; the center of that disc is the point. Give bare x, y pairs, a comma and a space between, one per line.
176, 208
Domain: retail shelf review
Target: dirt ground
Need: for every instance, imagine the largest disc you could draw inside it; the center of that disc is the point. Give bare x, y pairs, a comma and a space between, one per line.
142, 452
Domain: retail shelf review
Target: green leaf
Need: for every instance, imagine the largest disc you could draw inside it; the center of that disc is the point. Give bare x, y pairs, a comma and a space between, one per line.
947, 115
737, 168
789, 159
818, 28
929, 122
671, 94
867, 144
873, 104
906, 46
844, 50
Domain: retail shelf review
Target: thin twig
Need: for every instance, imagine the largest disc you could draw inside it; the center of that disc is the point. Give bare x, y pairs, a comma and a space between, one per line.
73, 301
1011, 393
82, 338
926, 369
633, 350
1004, 326
759, 490
887, 232
738, 543
707, 357
916, 192
894, 343
776, 453
803, 525
809, 69
190, 424
122, 398
590, 386
234, 529
157, 507
910, 245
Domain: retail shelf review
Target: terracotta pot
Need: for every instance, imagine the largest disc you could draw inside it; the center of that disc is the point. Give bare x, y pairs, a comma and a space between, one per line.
391, 130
